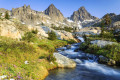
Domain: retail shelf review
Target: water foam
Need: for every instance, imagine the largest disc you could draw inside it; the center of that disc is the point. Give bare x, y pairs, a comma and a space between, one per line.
101, 68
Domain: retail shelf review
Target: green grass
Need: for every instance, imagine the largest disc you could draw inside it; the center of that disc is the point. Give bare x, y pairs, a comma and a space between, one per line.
39, 54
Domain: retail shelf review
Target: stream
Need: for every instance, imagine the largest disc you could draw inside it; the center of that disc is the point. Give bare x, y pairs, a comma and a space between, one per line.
87, 67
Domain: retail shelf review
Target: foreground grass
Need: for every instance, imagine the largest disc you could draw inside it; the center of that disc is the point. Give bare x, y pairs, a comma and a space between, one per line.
14, 54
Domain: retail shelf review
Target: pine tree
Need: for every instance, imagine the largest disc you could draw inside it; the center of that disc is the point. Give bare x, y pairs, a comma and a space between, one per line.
107, 20
7, 15
0, 15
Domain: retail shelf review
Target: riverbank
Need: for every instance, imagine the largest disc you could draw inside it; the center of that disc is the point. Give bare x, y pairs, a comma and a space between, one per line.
27, 60
107, 51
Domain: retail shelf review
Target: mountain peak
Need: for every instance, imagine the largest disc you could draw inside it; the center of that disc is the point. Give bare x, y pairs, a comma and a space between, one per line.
26, 6
52, 5
54, 13
82, 14
82, 8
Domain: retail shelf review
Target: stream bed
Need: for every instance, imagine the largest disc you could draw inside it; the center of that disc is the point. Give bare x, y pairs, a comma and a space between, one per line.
87, 67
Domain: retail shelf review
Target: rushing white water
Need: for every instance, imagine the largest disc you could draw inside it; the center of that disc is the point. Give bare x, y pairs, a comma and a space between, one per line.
89, 63
87, 67
100, 68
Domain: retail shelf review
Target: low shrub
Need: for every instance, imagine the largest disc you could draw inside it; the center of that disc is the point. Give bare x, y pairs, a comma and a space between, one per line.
35, 31
71, 41
48, 57
110, 51
66, 28
52, 35
51, 58
30, 37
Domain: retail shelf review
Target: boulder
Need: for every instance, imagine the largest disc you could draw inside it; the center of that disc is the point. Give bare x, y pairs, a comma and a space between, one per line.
102, 43
64, 35
111, 62
107, 61
76, 50
116, 25
88, 31
64, 62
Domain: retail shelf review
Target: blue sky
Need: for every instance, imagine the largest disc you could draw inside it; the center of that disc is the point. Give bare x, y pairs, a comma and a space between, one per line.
97, 8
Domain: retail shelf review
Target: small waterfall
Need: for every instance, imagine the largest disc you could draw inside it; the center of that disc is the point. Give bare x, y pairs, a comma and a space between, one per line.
81, 39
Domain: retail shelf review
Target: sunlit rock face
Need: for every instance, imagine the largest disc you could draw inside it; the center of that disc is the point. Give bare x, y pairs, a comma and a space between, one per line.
8, 29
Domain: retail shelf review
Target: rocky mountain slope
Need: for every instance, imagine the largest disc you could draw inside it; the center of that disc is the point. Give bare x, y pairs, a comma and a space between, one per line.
82, 14
51, 15
24, 19
16, 30
28, 16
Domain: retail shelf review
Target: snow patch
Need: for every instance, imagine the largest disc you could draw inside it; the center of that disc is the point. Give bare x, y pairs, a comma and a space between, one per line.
69, 20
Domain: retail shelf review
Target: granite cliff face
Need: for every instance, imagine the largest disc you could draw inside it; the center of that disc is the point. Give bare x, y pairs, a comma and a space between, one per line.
54, 13
28, 16
81, 15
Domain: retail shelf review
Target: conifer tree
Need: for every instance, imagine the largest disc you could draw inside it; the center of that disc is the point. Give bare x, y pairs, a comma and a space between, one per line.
7, 15
107, 20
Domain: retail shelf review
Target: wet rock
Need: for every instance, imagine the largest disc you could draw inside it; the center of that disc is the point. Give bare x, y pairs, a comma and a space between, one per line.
111, 62
76, 50
84, 58
78, 61
107, 61
61, 49
103, 59
68, 46
63, 61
